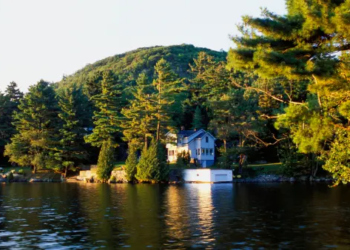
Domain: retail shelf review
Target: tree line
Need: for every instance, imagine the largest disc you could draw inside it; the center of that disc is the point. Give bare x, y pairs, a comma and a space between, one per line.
284, 87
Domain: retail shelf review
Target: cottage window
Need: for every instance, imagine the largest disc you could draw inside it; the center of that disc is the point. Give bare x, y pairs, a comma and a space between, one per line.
207, 139
211, 151
198, 151
171, 152
206, 151
203, 151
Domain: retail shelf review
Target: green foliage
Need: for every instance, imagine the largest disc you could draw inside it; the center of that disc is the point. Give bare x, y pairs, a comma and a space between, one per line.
130, 65
152, 166
37, 124
168, 97
106, 161
337, 159
183, 160
289, 157
227, 158
131, 163
139, 121
113, 179
8, 106
197, 119
307, 45
73, 114
107, 118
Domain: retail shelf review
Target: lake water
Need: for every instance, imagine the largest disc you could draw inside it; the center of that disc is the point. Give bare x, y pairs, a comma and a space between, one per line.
220, 216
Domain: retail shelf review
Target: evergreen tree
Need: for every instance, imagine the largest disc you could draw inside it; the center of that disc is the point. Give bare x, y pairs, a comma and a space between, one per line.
107, 121
169, 97
152, 166
198, 118
8, 105
5, 120
37, 127
162, 172
106, 160
148, 162
13, 92
73, 109
131, 163
139, 120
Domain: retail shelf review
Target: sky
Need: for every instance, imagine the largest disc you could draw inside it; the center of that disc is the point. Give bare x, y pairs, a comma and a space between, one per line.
46, 39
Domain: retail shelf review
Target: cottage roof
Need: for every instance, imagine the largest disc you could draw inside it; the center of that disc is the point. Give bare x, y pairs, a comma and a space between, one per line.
186, 133
200, 135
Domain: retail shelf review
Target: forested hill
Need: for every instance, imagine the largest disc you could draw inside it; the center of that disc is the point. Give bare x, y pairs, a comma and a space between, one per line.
129, 65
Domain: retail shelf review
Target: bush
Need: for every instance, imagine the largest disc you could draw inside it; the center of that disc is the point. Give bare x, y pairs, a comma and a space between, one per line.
113, 179
183, 160
10, 177
13, 171
21, 171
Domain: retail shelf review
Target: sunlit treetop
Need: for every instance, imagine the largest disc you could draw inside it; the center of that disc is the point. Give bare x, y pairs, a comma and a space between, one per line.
304, 42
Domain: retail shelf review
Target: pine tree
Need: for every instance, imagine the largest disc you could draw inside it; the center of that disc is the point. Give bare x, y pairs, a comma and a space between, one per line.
197, 119
37, 127
139, 121
73, 109
8, 105
106, 160
13, 92
107, 121
148, 162
131, 163
168, 97
162, 172
152, 166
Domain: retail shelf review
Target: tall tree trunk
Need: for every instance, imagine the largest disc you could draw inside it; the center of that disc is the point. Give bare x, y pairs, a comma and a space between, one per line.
146, 142
225, 147
34, 170
65, 172
159, 110
158, 131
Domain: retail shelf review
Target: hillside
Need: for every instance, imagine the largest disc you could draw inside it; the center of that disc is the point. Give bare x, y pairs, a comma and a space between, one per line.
130, 64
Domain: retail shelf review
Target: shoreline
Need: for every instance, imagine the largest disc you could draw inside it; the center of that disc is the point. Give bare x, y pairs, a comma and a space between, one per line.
264, 178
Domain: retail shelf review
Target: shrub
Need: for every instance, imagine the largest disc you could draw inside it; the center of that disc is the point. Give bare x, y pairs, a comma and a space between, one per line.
10, 177
21, 171
183, 159
13, 171
113, 179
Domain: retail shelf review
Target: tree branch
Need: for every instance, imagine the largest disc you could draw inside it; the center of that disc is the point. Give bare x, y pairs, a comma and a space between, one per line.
266, 93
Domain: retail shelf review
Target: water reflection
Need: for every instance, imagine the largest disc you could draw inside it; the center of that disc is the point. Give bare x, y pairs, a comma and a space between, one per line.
225, 216
189, 215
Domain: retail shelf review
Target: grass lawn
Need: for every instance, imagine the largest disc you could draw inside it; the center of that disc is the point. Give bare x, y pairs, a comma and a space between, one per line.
118, 165
273, 168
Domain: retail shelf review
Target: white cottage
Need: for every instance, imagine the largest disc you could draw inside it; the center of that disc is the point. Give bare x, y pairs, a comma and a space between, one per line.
199, 143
